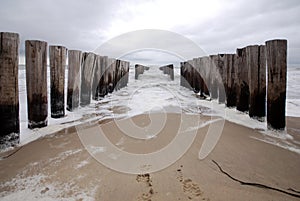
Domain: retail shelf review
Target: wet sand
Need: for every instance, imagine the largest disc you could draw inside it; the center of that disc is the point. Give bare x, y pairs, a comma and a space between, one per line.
58, 167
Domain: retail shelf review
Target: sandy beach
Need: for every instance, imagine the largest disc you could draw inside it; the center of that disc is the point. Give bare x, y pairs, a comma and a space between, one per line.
58, 167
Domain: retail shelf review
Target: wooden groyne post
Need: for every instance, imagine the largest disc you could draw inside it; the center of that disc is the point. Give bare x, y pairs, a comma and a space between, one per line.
9, 93
58, 62
36, 83
205, 75
230, 83
110, 74
171, 71
276, 51
87, 72
183, 74
198, 81
96, 77
139, 69
117, 75
102, 87
242, 96
221, 79
127, 72
213, 76
256, 64
167, 69
74, 65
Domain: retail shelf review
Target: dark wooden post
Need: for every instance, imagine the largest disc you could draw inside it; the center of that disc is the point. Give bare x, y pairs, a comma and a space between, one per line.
191, 71
9, 93
205, 64
230, 87
96, 77
58, 62
171, 68
261, 99
102, 87
127, 67
242, 97
277, 66
74, 64
36, 83
188, 75
110, 74
181, 73
139, 69
137, 72
213, 76
117, 75
183, 77
123, 73
255, 59
221, 79
197, 77
87, 72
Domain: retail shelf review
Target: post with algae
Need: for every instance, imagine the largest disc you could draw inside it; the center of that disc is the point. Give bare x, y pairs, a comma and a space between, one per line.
9, 101
36, 83
58, 62
256, 64
74, 65
242, 98
276, 93
87, 72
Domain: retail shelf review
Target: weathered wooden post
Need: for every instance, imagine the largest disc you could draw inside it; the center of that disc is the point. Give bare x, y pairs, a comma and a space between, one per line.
256, 64
230, 87
197, 77
191, 73
167, 69
171, 68
276, 96
127, 66
205, 64
36, 83
58, 62
9, 91
213, 76
117, 75
221, 79
102, 87
123, 73
74, 64
96, 77
111, 74
87, 71
183, 72
137, 71
242, 97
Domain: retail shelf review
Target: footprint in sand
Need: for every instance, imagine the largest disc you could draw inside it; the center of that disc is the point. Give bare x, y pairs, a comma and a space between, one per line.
145, 178
146, 196
190, 188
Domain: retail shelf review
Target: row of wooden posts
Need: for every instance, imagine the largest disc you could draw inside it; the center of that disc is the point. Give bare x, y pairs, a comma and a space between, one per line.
89, 76
168, 69
239, 80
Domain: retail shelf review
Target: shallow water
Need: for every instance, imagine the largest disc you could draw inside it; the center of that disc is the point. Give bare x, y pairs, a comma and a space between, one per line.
152, 92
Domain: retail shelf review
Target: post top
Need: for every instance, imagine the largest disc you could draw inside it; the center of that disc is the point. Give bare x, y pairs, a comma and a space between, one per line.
277, 40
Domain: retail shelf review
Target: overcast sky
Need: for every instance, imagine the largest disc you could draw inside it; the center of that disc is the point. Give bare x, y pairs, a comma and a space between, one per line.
217, 26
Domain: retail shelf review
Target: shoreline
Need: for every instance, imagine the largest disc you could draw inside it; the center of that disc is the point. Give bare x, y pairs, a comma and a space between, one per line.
58, 166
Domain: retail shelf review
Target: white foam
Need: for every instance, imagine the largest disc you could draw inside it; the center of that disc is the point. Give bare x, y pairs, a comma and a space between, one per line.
153, 91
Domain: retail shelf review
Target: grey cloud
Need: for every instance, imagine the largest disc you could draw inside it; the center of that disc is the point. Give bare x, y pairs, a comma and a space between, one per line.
83, 24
